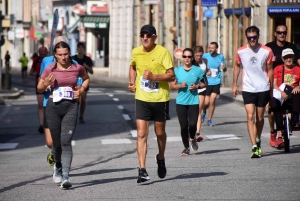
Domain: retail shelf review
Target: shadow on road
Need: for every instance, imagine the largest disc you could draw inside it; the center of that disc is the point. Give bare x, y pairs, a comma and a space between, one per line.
216, 151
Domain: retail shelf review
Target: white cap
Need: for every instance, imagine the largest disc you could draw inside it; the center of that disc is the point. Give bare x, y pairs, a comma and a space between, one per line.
287, 51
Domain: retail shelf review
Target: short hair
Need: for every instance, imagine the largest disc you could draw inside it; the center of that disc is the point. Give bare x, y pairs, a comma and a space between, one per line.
252, 29
198, 48
188, 50
279, 25
215, 43
80, 44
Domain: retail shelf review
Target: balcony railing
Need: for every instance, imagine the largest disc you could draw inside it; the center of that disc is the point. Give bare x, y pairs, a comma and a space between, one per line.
284, 2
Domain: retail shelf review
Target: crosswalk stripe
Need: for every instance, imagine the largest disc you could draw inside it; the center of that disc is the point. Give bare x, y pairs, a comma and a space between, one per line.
8, 145
126, 117
115, 141
133, 133
223, 137
172, 139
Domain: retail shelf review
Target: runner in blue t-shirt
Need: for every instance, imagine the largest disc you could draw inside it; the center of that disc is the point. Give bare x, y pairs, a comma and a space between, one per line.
216, 64
45, 63
187, 83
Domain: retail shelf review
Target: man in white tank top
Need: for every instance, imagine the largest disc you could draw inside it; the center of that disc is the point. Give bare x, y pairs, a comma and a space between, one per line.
257, 81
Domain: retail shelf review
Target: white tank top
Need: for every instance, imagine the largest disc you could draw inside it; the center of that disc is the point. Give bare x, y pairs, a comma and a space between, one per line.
203, 67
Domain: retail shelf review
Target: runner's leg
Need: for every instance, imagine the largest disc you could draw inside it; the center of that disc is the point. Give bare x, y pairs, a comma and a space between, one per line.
250, 109
141, 144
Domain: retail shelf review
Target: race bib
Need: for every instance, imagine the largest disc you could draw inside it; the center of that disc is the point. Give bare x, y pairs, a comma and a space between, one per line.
149, 86
62, 93
214, 72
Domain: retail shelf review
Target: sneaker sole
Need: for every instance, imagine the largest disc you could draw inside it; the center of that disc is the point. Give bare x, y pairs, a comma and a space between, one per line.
199, 139
66, 185
255, 156
142, 179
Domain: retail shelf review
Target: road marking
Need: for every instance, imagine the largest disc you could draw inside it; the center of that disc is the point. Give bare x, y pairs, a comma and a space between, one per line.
121, 107
223, 137
120, 91
110, 95
73, 142
172, 139
115, 99
4, 112
115, 141
133, 133
126, 117
8, 145
267, 135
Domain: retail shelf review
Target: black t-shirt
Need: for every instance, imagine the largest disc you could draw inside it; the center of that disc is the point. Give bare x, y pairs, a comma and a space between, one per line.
277, 51
87, 60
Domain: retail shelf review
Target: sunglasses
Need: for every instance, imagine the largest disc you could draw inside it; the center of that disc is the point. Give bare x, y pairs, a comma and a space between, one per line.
142, 35
251, 37
187, 57
281, 32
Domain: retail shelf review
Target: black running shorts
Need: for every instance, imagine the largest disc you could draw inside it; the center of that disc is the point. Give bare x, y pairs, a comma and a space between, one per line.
259, 99
212, 89
156, 111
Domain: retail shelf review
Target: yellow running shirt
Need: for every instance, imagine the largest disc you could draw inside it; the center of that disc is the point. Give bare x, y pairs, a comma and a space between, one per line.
158, 61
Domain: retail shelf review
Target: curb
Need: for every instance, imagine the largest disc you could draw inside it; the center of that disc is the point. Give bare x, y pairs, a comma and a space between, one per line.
14, 94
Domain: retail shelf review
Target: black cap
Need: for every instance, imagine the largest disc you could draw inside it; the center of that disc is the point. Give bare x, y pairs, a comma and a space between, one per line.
148, 29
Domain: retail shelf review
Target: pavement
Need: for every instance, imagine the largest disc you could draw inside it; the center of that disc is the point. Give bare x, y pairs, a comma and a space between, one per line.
101, 74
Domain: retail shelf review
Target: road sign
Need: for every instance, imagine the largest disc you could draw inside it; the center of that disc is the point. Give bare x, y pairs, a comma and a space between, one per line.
209, 13
178, 53
209, 3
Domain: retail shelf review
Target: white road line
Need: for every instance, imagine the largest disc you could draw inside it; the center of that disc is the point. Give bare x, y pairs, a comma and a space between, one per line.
115, 141
73, 142
8, 145
172, 139
126, 116
120, 91
115, 99
110, 95
4, 112
133, 133
267, 135
223, 137
121, 107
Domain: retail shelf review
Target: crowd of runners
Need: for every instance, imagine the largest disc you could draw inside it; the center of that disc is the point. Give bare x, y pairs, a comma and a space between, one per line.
62, 83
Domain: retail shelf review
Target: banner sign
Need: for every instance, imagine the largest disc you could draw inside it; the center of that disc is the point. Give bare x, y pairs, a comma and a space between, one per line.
283, 10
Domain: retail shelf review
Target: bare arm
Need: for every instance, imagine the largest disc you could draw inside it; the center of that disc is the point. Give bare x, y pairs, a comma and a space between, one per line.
270, 75
86, 81
132, 76
88, 68
175, 86
236, 73
298, 61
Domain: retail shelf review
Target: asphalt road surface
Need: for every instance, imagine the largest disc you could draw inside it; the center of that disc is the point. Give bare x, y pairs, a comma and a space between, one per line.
105, 162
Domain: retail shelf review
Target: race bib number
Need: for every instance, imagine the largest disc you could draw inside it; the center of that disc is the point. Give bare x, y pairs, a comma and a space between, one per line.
214, 72
62, 93
149, 86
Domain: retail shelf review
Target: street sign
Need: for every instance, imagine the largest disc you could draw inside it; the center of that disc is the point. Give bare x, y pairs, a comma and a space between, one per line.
178, 53
209, 13
209, 3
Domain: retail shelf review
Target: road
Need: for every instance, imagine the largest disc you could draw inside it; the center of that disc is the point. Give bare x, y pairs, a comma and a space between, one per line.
105, 161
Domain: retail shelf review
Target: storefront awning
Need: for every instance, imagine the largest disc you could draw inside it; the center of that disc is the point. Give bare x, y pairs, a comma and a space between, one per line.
283, 10
97, 22
237, 11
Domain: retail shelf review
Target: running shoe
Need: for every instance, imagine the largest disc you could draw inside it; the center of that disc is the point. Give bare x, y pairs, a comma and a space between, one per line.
57, 174
143, 176
209, 123
65, 182
198, 137
258, 143
255, 153
41, 129
194, 145
50, 159
203, 117
81, 120
185, 152
280, 143
273, 141
161, 169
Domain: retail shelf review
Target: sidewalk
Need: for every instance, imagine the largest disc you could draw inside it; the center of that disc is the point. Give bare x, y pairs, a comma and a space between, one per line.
101, 75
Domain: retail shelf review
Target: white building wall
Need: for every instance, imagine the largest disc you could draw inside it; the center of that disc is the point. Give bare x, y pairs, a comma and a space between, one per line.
121, 40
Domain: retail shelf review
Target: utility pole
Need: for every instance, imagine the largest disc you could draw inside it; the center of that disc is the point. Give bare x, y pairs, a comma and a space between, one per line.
177, 27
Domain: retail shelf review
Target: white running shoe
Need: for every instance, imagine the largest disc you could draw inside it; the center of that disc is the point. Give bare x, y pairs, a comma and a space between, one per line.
57, 175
